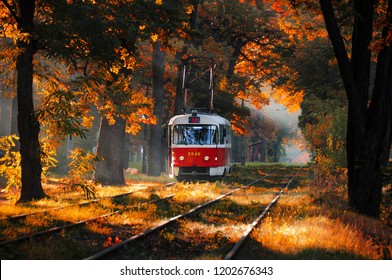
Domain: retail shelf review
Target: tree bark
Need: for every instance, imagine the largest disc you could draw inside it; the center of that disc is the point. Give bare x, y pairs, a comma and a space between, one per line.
28, 125
369, 128
111, 141
366, 175
155, 166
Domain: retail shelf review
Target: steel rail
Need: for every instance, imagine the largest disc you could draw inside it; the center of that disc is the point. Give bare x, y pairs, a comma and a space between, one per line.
55, 229
67, 226
14, 217
238, 245
165, 223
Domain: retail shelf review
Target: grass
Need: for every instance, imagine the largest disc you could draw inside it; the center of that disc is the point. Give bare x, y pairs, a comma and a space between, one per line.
308, 222
305, 231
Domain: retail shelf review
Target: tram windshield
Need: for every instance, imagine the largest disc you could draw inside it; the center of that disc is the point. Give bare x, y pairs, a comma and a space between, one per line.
196, 135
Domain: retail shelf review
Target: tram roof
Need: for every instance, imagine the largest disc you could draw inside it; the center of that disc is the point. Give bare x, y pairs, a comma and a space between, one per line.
204, 119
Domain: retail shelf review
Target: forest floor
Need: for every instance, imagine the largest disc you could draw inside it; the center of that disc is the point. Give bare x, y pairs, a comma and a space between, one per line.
309, 221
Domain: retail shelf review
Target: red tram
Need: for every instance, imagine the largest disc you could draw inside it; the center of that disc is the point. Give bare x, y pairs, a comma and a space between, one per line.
199, 146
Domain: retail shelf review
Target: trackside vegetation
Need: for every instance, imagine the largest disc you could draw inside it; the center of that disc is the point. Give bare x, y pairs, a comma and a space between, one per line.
308, 222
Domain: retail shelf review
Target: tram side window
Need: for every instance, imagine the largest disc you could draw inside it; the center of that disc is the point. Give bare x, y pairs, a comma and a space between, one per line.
222, 132
225, 134
196, 135
228, 129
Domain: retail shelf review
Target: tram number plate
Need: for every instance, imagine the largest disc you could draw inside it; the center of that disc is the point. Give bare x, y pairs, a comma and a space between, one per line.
194, 154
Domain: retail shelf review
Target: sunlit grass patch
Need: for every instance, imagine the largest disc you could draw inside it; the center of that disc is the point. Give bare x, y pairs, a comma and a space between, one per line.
139, 177
211, 235
99, 228
107, 191
31, 224
315, 234
298, 196
309, 224
9, 209
245, 198
76, 213
196, 192
228, 211
195, 229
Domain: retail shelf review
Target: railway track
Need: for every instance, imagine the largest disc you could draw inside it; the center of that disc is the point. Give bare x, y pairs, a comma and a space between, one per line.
59, 228
161, 226
25, 215
166, 223
70, 225
240, 243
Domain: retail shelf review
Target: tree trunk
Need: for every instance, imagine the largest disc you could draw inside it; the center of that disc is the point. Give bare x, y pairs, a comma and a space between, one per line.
366, 174
127, 150
369, 128
110, 170
155, 166
28, 125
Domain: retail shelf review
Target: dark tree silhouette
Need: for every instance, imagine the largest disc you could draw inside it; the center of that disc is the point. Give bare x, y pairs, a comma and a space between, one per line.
369, 129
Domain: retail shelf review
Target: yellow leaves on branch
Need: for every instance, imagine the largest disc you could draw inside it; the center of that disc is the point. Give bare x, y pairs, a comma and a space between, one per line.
49, 148
10, 165
81, 167
297, 29
115, 69
189, 9
154, 37
9, 30
142, 113
222, 83
135, 110
127, 61
239, 124
297, 24
292, 100
87, 121
79, 44
258, 98
382, 35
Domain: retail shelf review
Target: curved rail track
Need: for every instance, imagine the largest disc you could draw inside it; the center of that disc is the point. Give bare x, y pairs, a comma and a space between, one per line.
111, 251
238, 245
168, 222
75, 224
25, 215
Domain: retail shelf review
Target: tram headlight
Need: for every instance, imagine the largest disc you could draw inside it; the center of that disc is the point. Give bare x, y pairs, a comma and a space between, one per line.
181, 157
206, 158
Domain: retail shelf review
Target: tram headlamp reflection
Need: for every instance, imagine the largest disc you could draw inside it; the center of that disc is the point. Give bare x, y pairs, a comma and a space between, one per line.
181, 157
206, 158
